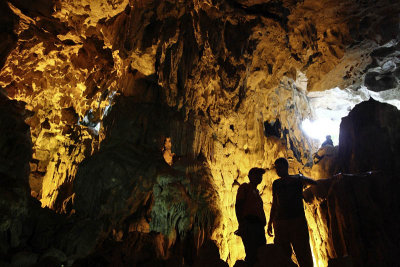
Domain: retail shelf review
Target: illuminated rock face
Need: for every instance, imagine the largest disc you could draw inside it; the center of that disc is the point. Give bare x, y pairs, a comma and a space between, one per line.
209, 75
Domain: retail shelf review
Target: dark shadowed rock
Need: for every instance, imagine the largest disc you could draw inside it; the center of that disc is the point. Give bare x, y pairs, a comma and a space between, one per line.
341, 262
368, 138
8, 37
271, 256
240, 263
361, 209
24, 259
208, 255
69, 115
15, 154
380, 82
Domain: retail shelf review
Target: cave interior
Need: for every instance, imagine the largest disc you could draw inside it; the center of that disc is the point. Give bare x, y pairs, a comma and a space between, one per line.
127, 126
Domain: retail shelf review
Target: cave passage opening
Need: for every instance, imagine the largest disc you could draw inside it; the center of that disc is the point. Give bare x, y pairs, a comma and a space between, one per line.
330, 106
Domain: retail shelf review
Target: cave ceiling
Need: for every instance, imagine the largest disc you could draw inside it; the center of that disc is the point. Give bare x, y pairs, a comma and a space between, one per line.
63, 58
205, 55
220, 69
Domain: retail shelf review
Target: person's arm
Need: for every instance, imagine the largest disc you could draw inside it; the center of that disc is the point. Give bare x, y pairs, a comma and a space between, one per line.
307, 181
272, 213
240, 200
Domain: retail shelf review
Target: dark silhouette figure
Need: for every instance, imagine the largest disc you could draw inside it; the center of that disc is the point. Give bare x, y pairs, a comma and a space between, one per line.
250, 215
328, 141
287, 214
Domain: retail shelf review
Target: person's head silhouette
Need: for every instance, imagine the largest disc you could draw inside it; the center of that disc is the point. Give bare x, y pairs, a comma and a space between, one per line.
255, 175
281, 166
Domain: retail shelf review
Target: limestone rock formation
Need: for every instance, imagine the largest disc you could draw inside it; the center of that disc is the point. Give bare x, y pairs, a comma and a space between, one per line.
368, 140
15, 154
146, 115
135, 190
361, 208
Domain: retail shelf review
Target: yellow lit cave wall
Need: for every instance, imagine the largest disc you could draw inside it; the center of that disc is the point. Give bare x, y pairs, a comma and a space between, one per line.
67, 63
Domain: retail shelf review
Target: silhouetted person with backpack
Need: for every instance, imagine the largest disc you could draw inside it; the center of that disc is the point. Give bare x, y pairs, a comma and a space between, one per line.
287, 214
250, 214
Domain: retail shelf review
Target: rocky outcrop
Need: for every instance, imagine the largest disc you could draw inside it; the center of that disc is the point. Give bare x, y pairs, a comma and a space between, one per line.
29, 235
8, 36
16, 152
368, 139
135, 192
360, 209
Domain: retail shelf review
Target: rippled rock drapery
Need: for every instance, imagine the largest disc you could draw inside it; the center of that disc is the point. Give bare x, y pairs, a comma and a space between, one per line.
130, 188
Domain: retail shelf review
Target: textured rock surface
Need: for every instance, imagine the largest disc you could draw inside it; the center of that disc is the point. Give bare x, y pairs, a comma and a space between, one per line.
135, 191
361, 209
15, 147
368, 139
209, 75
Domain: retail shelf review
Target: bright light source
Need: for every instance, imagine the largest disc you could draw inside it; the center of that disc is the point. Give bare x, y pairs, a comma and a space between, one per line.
320, 128
330, 106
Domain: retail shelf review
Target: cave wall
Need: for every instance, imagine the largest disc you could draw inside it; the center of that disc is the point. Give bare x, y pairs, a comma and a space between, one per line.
221, 70
376, 195
359, 204
134, 189
16, 153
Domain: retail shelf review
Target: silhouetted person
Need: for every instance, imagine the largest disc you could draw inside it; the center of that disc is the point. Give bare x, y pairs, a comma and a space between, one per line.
287, 214
328, 141
250, 215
